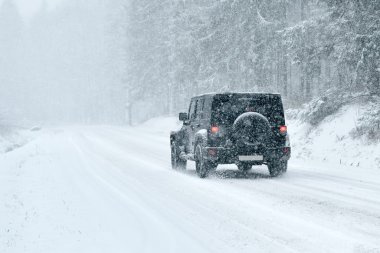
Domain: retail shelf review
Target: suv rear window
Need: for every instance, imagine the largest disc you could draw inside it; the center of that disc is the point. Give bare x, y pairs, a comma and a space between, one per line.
227, 108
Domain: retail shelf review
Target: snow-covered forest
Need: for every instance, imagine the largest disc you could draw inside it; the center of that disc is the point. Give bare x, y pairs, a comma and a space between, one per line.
143, 58
94, 158
299, 48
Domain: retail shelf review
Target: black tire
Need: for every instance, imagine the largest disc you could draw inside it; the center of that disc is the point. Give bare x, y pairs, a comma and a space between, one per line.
277, 168
177, 162
244, 166
202, 166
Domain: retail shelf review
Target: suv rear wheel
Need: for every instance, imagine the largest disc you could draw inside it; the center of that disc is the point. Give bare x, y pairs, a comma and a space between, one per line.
277, 168
177, 162
203, 167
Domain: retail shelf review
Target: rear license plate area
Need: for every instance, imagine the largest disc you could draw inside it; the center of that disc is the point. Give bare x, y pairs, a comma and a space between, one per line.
247, 158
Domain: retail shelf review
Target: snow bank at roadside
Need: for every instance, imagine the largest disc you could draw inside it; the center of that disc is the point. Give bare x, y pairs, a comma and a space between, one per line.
161, 125
12, 138
332, 140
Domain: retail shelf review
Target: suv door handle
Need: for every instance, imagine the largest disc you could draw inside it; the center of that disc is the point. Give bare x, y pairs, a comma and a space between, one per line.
195, 125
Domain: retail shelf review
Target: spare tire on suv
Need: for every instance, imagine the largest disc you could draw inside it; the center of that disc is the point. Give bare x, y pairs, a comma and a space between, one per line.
251, 131
251, 128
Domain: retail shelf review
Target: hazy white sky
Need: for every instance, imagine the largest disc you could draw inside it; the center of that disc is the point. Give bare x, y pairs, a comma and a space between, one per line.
29, 7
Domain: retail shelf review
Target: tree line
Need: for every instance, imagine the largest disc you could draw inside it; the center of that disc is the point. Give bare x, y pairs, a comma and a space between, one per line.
130, 60
299, 48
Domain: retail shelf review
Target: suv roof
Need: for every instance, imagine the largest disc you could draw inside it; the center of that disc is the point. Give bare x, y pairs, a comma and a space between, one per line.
235, 93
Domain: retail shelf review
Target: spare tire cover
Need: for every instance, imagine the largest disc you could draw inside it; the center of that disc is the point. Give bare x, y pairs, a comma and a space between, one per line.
251, 128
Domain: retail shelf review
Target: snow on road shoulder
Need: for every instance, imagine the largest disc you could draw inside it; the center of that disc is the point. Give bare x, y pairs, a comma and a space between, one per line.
331, 142
161, 125
12, 138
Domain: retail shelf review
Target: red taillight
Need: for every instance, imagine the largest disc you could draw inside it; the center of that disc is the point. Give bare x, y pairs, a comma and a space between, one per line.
214, 129
283, 130
212, 152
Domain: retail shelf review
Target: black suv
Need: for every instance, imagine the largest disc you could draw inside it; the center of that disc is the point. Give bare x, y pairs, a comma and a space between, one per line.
241, 128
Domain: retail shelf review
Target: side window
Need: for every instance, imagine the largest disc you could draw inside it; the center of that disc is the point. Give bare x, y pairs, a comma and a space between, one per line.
207, 107
192, 110
201, 105
196, 109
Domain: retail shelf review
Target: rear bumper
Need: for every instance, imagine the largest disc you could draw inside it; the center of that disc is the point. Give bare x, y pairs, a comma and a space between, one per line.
223, 155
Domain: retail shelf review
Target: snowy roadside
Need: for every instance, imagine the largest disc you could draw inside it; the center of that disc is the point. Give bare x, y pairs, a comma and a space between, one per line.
12, 138
331, 141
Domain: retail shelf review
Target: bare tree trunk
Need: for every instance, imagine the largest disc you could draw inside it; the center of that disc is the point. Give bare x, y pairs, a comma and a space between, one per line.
302, 81
284, 58
303, 2
290, 78
285, 74
308, 83
278, 67
327, 74
129, 112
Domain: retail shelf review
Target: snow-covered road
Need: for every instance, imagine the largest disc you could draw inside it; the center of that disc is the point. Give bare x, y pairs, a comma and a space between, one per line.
111, 189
